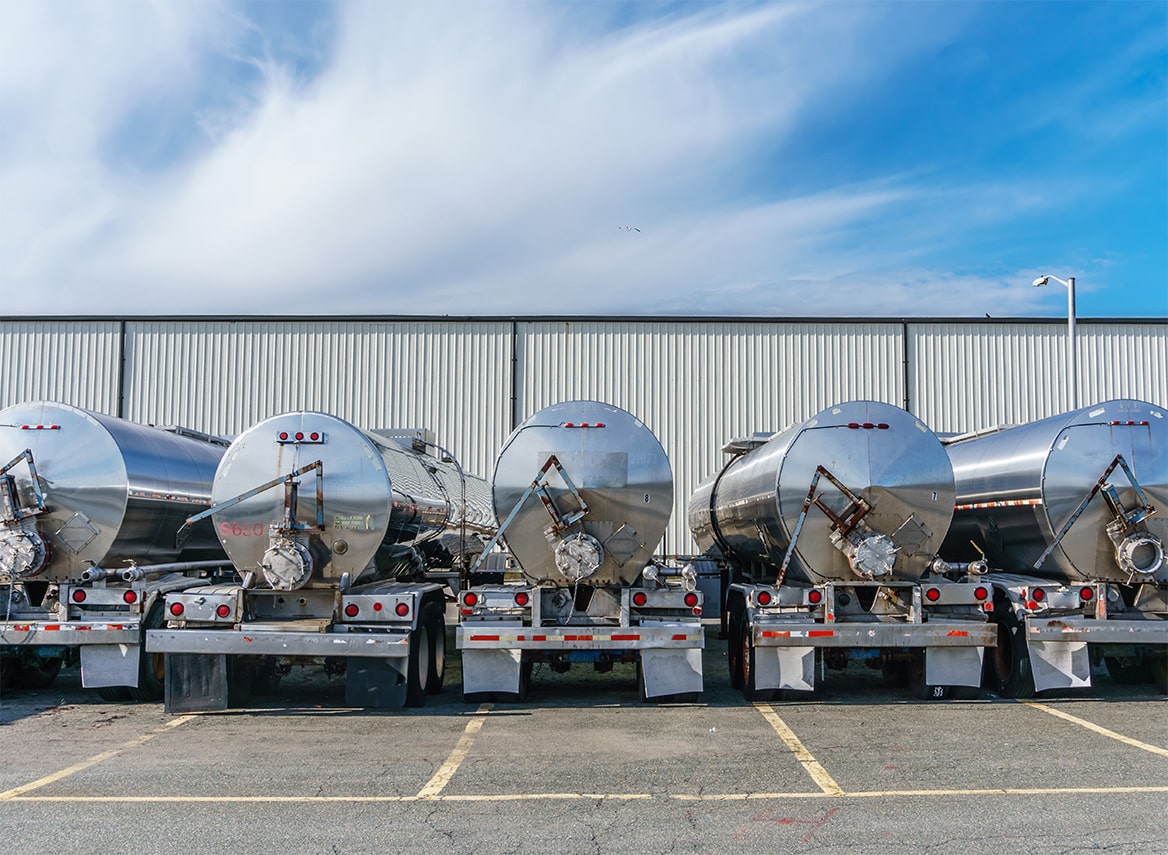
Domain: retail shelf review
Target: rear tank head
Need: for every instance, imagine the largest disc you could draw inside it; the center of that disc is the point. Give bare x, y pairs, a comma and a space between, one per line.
590, 491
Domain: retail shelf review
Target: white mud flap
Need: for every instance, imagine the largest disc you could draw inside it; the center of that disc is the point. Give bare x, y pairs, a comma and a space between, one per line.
784, 668
953, 666
1059, 664
671, 672
490, 671
109, 665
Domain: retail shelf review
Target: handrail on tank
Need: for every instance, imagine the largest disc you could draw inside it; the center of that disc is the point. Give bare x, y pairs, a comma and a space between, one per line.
13, 509
1126, 519
560, 522
855, 512
291, 492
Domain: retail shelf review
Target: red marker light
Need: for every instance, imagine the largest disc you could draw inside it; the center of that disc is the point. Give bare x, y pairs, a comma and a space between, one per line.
402, 609
176, 609
522, 599
78, 596
223, 610
691, 599
933, 594
1086, 593
815, 597
470, 598
351, 610
764, 599
299, 436
854, 425
980, 593
1038, 595
283, 435
639, 598
130, 597
314, 436
882, 426
377, 607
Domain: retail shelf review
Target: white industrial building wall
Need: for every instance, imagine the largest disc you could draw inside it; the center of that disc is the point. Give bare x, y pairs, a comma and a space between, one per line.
964, 376
697, 385
76, 362
225, 376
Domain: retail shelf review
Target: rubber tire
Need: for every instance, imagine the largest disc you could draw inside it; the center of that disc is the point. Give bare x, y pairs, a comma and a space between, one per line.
1158, 667
39, 676
151, 666
435, 616
114, 694
734, 650
1127, 672
1010, 675
921, 690
9, 665
241, 679
418, 666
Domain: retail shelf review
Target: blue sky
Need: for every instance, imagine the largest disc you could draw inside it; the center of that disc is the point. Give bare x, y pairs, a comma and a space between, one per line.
832, 158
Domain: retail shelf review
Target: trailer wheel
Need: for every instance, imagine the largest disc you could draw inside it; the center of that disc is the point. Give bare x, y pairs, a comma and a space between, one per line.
734, 649
1127, 670
114, 694
418, 665
241, 678
436, 619
1011, 675
1158, 666
9, 665
37, 675
151, 666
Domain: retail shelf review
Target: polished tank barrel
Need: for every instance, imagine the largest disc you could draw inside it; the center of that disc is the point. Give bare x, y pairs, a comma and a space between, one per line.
1018, 488
601, 512
340, 500
901, 501
82, 489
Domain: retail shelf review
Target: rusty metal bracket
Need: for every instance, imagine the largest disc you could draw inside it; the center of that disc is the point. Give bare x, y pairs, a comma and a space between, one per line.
856, 510
13, 509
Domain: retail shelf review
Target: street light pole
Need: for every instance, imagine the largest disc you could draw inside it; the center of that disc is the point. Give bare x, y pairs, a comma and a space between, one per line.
1072, 368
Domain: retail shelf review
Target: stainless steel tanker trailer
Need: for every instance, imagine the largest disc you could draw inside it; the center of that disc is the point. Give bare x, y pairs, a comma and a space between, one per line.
583, 492
829, 535
1072, 514
331, 529
89, 508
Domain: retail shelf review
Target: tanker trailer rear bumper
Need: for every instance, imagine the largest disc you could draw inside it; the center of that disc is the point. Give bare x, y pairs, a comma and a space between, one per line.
1057, 646
207, 671
494, 660
109, 651
783, 651
269, 643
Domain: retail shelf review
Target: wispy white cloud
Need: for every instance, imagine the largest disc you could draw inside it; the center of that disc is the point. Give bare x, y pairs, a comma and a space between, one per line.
470, 160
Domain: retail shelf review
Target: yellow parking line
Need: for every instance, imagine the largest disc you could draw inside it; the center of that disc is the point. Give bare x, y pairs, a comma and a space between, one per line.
446, 771
1126, 740
810, 764
8, 795
531, 797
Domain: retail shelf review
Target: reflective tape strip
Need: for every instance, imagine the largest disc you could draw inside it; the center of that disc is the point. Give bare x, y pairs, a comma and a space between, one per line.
638, 638
958, 633
56, 627
821, 633
1021, 503
578, 638
484, 638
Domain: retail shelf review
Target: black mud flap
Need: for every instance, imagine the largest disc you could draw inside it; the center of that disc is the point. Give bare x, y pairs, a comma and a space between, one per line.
196, 682
374, 683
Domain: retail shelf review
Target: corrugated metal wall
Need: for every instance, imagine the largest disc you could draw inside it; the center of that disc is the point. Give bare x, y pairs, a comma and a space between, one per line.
223, 377
695, 383
77, 362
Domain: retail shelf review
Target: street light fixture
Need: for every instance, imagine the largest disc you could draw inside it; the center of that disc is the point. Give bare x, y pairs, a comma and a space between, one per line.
1072, 377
